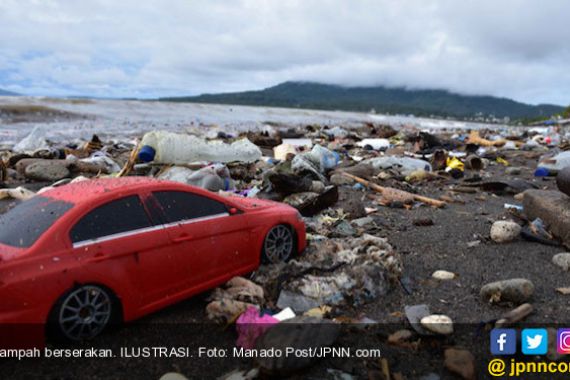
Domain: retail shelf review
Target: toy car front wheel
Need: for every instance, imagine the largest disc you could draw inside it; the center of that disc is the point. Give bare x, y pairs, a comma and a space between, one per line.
82, 313
279, 244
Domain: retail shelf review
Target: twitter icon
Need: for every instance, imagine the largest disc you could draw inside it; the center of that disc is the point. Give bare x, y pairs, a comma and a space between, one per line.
534, 341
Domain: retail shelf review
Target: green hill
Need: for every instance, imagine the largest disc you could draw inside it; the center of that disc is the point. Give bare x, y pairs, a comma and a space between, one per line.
7, 93
381, 99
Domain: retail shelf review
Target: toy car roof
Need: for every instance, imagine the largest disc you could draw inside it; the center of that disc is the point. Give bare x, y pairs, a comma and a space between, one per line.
85, 191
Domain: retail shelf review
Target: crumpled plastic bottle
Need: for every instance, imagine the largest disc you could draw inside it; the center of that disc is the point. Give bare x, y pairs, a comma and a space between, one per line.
174, 148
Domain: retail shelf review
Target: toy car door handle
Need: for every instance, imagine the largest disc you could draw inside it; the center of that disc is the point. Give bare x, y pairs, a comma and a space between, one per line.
99, 256
182, 238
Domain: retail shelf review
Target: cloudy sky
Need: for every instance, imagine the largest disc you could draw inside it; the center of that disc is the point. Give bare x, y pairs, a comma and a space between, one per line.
148, 48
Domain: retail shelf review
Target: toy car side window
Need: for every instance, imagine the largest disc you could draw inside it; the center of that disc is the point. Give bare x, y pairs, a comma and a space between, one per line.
123, 215
180, 205
24, 224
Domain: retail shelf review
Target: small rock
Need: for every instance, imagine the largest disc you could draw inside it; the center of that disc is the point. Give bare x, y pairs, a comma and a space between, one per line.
414, 314
363, 222
344, 229
438, 323
562, 260
47, 170
460, 362
505, 231
339, 180
400, 336
173, 376
12, 174
473, 244
513, 170
564, 291
443, 275
423, 222
516, 290
317, 187
563, 180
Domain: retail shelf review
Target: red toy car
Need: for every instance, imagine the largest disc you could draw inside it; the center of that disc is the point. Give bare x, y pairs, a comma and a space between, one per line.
83, 255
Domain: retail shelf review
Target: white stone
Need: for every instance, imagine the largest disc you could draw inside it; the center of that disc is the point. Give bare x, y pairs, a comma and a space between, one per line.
562, 260
438, 323
443, 275
505, 231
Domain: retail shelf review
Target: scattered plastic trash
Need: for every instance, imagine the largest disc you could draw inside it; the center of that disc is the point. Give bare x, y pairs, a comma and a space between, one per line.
362, 268
376, 144
454, 163
298, 143
295, 301
213, 177
34, 141
552, 165
102, 161
502, 161
284, 151
284, 314
474, 163
250, 326
406, 165
20, 193
310, 203
543, 172
336, 132
173, 148
509, 206
315, 162
338, 178
537, 231
147, 153
229, 302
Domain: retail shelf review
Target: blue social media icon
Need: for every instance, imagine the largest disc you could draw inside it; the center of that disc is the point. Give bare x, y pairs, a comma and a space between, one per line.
503, 341
534, 341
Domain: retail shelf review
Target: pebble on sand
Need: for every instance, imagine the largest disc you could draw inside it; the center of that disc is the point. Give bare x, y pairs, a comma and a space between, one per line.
516, 290
438, 323
505, 231
562, 260
443, 275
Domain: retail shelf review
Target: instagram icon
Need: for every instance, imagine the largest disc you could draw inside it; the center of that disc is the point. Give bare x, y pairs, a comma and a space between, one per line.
563, 341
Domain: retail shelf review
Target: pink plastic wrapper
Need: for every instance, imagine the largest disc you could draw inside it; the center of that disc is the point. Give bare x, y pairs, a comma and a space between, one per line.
251, 326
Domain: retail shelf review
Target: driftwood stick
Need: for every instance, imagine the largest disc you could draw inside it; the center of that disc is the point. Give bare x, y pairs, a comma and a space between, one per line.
380, 189
131, 162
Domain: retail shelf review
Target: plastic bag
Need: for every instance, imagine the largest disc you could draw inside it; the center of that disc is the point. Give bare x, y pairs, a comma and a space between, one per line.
376, 144
251, 326
213, 177
34, 141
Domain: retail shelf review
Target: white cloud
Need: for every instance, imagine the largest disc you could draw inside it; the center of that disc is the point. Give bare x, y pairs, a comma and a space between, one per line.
150, 48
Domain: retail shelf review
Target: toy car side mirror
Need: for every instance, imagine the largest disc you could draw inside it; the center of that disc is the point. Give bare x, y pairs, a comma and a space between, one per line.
233, 210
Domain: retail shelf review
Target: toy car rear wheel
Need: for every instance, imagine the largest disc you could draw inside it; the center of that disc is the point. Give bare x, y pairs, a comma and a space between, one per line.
83, 313
279, 244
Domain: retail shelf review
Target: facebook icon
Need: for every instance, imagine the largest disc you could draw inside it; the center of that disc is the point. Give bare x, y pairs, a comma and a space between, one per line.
503, 341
